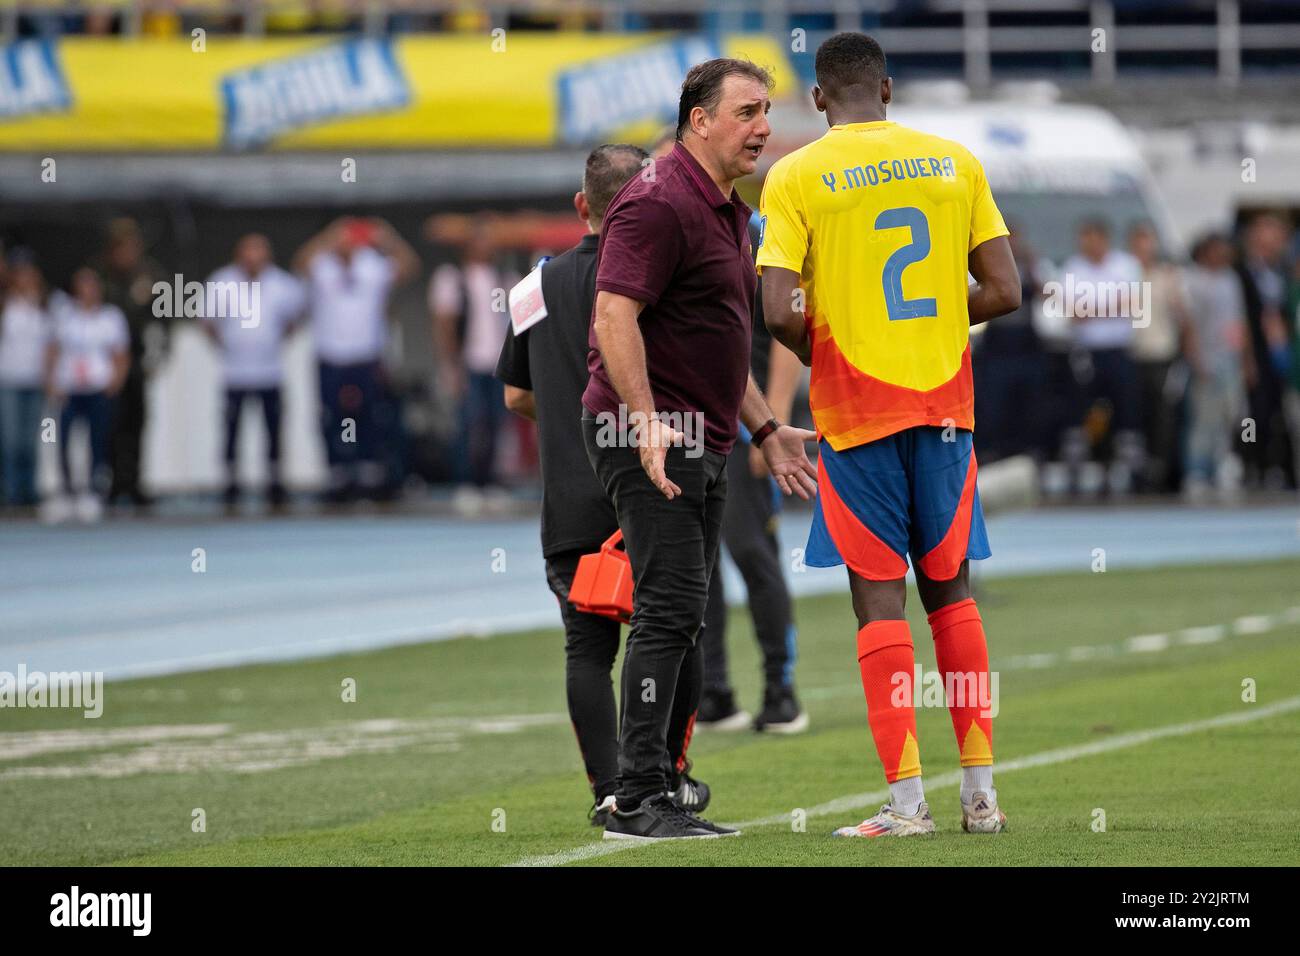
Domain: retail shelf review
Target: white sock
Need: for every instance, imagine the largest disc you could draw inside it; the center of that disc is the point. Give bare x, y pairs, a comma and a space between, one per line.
974, 779
905, 796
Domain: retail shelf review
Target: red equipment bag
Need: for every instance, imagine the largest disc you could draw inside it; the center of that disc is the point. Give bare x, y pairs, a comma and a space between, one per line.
602, 584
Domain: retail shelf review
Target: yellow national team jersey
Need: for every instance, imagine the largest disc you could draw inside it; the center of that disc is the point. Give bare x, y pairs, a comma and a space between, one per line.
878, 220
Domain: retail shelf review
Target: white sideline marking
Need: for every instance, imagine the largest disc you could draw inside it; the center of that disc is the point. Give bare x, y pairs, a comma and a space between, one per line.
1154, 643
1203, 635
33, 743
1038, 661
191, 748
1256, 624
1146, 643
941, 781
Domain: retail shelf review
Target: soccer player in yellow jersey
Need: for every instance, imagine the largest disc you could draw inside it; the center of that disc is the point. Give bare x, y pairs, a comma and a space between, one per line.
867, 237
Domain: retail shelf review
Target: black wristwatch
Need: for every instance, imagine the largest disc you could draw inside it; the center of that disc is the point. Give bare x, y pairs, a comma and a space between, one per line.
760, 436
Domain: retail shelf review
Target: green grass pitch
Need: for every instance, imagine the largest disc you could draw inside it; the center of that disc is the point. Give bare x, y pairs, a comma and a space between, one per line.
460, 752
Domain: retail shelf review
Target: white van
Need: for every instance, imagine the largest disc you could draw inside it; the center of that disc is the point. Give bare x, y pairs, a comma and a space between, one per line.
1052, 166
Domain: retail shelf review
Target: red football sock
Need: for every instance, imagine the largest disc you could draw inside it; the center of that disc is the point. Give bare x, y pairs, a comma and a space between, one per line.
963, 658
884, 650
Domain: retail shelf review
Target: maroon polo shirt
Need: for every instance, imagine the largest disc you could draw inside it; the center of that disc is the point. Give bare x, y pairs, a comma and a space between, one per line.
677, 245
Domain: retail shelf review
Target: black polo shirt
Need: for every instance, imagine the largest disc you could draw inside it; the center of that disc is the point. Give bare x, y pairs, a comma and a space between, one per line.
550, 360
675, 243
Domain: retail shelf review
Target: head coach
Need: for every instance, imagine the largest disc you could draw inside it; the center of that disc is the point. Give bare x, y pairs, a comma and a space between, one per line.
670, 345
544, 368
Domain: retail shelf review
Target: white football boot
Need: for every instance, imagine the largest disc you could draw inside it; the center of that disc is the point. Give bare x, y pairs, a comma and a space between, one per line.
982, 815
889, 822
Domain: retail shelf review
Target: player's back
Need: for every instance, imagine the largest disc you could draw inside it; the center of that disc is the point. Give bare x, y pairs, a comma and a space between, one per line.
889, 215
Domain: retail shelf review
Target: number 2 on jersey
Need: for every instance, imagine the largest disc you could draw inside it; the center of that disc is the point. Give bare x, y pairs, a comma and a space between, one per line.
916, 250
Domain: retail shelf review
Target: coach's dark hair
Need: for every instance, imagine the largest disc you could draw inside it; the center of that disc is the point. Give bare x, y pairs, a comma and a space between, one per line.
849, 59
608, 168
703, 86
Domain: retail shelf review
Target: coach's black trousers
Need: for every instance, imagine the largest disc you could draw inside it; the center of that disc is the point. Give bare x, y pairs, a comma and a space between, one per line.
673, 546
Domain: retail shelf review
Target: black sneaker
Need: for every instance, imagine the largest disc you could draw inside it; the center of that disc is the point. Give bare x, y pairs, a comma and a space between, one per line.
781, 713
688, 793
658, 818
717, 828
718, 711
600, 811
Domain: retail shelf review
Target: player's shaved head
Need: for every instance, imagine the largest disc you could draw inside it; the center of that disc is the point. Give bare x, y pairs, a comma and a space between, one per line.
850, 67
608, 168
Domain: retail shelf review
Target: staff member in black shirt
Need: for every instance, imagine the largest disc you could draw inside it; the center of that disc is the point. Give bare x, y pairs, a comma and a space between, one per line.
544, 369
749, 526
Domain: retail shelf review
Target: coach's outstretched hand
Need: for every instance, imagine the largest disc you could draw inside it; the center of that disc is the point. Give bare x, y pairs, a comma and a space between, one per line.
783, 450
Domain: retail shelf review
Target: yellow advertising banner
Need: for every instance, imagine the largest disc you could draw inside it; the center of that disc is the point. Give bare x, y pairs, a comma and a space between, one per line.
515, 90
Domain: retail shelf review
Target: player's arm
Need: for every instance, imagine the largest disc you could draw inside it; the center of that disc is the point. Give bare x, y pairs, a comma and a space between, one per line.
782, 251
784, 371
781, 314
997, 281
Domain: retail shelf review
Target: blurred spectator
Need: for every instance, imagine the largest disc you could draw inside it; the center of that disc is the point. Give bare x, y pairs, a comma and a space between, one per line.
351, 267
1011, 371
470, 315
253, 306
1263, 280
1097, 281
87, 365
1221, 362
25, 328
128, 277
1156, 345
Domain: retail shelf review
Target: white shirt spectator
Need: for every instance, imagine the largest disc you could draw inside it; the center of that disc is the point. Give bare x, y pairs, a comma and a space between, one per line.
88, 341
349, 305
252, 327
25, 330
485, 326
1111, 323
